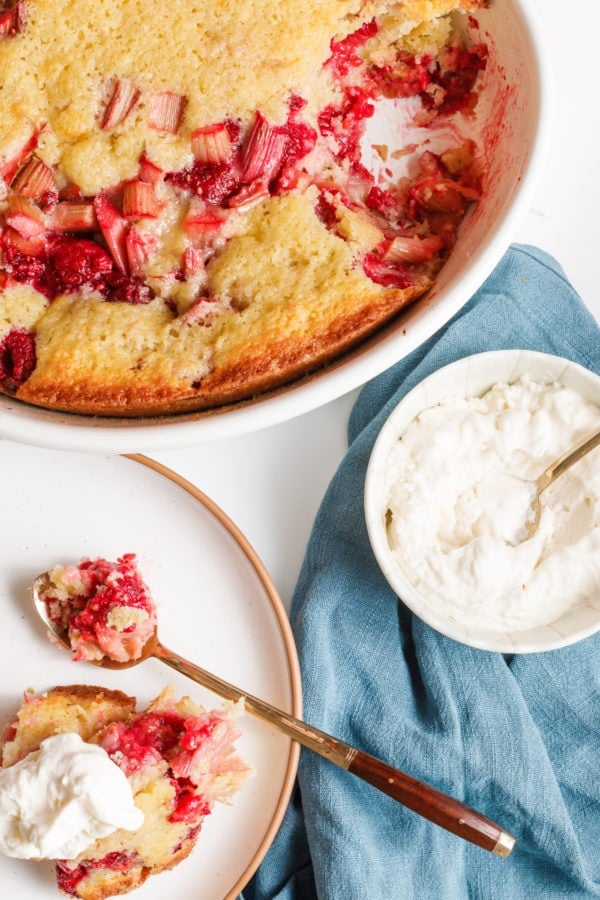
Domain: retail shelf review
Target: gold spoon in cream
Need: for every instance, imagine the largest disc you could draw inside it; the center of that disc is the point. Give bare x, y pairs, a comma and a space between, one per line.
550, 474
423, 799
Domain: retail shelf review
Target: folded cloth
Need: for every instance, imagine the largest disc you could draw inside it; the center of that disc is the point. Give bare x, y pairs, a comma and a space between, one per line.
517, 738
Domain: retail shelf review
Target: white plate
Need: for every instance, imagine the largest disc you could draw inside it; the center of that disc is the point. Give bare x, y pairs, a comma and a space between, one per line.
510, 126
216, 605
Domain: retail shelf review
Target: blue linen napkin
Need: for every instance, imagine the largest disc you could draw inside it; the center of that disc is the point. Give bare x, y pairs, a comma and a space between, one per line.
517, 738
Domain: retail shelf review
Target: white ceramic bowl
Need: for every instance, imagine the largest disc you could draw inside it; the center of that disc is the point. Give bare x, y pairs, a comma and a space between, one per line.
471, 377
510, 125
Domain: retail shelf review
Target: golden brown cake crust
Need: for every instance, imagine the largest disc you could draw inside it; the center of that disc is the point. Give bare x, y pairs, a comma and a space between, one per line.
81, 708
195, 229
271, 361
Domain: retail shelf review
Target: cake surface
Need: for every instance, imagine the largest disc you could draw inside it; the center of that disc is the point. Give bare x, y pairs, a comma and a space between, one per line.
178, 758
187, 219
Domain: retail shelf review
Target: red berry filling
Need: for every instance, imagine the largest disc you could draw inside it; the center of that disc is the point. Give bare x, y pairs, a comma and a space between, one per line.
69, 877
345, 124
12, 18
147, 739
17, 358
62, 264
73, 263
181, 742
344, 56
189, 806
105, 607
455, 73
267, 157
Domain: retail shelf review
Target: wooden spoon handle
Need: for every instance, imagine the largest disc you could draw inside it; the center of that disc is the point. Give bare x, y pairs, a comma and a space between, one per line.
427, 801
440, 808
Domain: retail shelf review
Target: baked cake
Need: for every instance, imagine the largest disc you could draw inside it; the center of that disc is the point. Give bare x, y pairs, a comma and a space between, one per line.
187, 216
179, 760
105, 608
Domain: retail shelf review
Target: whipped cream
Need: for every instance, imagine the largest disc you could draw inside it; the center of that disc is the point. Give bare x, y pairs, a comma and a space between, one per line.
59, 799
457, 500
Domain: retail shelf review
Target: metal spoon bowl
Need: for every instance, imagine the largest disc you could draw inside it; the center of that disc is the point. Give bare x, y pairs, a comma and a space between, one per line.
423, 799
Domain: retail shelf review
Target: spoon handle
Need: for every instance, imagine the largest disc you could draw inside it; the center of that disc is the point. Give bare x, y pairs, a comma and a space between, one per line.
568, 459
427, 801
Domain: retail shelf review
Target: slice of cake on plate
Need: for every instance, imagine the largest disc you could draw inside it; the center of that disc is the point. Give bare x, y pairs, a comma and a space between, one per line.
179, 760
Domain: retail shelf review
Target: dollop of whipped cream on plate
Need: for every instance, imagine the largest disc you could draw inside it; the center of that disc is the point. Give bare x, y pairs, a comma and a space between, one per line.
59, 799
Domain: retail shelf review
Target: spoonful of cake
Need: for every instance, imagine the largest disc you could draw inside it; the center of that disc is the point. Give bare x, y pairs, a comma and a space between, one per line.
104, 613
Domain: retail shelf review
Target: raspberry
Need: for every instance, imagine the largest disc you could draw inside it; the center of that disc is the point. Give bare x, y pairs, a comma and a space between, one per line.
17, 358
189, 807
388, 274
213, 183
74, 263
27, 269
124, 288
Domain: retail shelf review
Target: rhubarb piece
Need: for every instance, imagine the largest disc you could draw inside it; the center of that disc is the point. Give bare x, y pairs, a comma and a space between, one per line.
149, 172
35, 179
140, 201
248, 196
193, 261
212, 144
9, 167
71, 192
34, 246
114, 229
201, 311
123, 98
68, 215
17, 358
24, 216
203, 222
412, 249
139, 247
166, 111
263, 152
12, 20
436, 195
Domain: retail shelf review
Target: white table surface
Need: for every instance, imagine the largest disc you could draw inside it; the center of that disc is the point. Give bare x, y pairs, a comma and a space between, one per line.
272, 481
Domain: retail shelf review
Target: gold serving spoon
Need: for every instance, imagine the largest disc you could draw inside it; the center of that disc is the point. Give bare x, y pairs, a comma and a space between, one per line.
423, 799
551, 473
